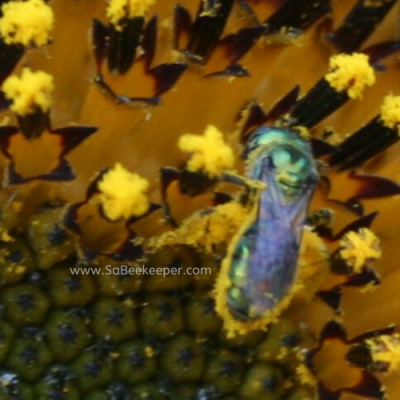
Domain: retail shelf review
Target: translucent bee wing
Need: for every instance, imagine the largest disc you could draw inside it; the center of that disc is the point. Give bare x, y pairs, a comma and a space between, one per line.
272, 263
264, 258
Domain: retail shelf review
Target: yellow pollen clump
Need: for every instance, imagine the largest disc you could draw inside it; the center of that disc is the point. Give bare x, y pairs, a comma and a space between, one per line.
30, 92
351, 73
305, 376
360, 247
119, 9
123, 194
26, 22
390, 112
206, 231
386, 349
208, 153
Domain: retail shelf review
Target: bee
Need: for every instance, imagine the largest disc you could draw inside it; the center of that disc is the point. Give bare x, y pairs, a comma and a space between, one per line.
263, 255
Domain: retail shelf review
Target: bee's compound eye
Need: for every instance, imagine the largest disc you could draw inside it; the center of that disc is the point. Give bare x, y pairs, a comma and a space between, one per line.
280, 158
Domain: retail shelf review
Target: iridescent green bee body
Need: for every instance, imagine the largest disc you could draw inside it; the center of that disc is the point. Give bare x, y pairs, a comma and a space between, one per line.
264, 260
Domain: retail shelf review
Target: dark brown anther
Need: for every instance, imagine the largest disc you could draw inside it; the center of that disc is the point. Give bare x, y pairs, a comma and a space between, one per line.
134, 102
207, 29
99, 40
195, 183
4, 102
364, 144
9, 58
367, 277
360, 356
363, 222
73, 136
340, 266
233, 70
182, 24
379, 51
238, 44
283, 105
124, 40
166, 75
373, 187
254, 117
34, 124
332, 298
297, 15
359, 24
321, 148
317, 104
292, 18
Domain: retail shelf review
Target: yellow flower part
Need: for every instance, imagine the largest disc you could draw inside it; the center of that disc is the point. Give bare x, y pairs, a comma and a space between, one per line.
220, 225
123, 194
390, 111
305, 375
118, 9
26, 22
359, 247
30, 92
385, 349
208, 153
351, 73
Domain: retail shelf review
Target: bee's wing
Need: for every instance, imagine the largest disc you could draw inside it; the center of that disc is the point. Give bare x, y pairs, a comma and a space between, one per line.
275, 246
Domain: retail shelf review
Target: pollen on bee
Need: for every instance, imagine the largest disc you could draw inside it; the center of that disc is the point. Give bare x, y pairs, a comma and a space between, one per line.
30, 92
390, 112
351, 73
313, 266
123, 194
208, 153
119, 9
220, 224
359, 247
26, 22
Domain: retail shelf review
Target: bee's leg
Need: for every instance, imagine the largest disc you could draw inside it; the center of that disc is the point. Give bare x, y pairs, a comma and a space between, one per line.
250, 184
252, 187
233, 178
320, 221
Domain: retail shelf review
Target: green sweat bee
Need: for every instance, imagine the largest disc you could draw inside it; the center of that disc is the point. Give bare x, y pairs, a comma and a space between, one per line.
263, 263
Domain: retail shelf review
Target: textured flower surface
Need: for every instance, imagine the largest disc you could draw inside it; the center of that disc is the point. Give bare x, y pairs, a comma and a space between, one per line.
129, 89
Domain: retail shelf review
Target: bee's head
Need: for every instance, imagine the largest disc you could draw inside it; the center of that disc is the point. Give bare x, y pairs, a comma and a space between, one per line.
287, 155
294, 170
